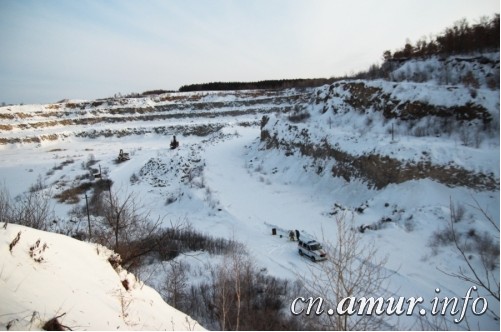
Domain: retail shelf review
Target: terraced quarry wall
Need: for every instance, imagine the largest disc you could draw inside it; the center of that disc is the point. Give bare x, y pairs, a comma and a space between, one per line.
177, 113
342, 102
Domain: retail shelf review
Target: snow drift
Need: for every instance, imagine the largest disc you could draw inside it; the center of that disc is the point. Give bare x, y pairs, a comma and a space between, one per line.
45, 276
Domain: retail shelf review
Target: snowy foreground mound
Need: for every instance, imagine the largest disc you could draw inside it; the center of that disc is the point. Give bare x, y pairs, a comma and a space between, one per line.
46, 275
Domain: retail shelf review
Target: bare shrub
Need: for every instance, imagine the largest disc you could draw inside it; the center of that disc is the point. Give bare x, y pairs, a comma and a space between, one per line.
470, 80
33, 209
38, 185
441, 238
134, 178
175, 290
465, 136
421, 131
259, 168
239, 296
457, 212
91, 161
100, 189
353, 269
210, 199
488, 250
127, 228
71, 195
485, 276
477, 137
5, 205
182, 238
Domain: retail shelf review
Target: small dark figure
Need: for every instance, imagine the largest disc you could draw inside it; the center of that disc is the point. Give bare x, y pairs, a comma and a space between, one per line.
174, 143
297, 235
291, 235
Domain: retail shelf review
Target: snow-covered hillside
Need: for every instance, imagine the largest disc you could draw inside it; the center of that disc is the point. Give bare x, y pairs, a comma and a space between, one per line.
166, 114
399, 157
479, 70
45, 276
403, 126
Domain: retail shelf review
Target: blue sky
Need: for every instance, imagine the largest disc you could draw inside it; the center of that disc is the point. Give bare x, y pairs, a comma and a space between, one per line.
53, 49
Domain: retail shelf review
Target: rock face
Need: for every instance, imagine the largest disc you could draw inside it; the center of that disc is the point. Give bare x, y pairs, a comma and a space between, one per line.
380, 171
413, 109
363, 97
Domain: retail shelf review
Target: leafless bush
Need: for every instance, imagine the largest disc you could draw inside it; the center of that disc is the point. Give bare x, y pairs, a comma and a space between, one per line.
134, 178
101, 188
352, 270
484, 275
488, 250
210, 200
465, 136
457, 212
477, 138
71, 195
469, 80
239, 296
421, 131
127, 227
38, 185
182, 238
259, 168
33, 209
175, 289
91, 161
5, 205
441, 238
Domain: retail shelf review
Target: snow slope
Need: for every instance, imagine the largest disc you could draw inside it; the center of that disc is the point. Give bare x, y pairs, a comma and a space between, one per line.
74, 280
261, 189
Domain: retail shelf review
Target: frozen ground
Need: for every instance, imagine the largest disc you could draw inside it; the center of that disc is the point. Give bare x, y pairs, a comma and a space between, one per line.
47, 275
224, 182
248, 190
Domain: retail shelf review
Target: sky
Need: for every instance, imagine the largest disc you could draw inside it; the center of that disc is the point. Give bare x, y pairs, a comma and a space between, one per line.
54, 49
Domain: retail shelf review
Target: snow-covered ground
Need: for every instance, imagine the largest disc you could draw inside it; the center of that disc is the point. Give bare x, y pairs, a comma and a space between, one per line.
248, 190
45, 275
226, 183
